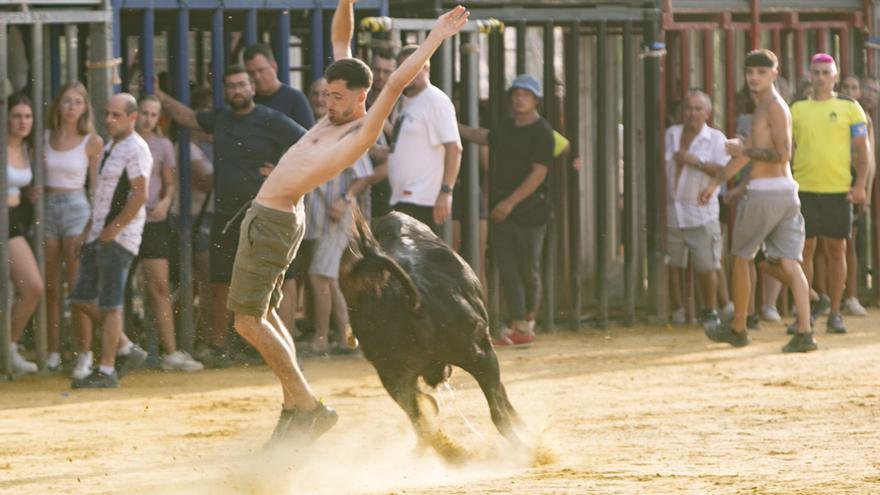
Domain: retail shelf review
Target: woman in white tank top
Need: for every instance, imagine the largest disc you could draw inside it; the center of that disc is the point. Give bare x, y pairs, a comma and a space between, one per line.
23, 267
73, 151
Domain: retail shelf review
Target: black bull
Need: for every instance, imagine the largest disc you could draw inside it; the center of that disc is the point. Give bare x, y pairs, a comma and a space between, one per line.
416, 308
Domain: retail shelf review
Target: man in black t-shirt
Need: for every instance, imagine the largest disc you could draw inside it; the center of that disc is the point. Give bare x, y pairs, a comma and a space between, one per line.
247, 136
270, 91
520, 154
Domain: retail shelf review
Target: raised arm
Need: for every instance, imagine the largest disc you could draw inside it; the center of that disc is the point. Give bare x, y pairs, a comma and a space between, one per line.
179, 112
342, 29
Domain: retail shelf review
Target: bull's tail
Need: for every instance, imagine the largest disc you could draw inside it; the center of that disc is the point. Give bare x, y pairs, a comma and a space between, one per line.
374, 263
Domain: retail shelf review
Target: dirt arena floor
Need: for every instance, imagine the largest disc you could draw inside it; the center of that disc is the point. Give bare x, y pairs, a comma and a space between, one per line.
628, 411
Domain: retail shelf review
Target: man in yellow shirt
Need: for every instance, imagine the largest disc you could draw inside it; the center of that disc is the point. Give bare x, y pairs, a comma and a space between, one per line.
827, 128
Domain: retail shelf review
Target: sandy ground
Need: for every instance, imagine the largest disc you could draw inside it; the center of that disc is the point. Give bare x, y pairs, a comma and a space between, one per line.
624, 411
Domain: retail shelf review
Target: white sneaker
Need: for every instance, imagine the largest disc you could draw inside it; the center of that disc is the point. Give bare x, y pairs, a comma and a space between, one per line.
853, 307
53, 362
83, 366
726, 312
19, 363
679, 317
770, 313
180, 361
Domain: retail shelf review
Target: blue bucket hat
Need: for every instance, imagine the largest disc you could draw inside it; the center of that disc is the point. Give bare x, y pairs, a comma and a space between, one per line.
528, 83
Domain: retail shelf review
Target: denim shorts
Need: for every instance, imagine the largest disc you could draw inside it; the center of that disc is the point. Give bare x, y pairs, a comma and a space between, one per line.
103, 270
66, 213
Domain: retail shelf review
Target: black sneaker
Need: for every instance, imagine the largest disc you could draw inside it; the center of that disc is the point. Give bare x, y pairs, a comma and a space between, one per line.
97, 379
306, 426
278, 434
726, 334
820, 307
835, 324
753, 322
801, 342
131, 361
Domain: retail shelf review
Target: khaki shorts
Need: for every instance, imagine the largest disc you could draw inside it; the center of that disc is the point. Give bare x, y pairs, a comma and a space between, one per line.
772, 219
267, 243
702, 243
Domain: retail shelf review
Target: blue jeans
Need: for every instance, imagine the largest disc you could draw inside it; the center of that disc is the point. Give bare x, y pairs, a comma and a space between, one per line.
517, 252
103, 270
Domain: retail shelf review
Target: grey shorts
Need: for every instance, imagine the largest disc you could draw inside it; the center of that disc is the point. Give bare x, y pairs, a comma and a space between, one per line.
67, 213
328, 249
772, 219
702, 243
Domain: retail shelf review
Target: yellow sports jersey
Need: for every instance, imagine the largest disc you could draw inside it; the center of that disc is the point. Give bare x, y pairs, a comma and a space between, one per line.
823, 132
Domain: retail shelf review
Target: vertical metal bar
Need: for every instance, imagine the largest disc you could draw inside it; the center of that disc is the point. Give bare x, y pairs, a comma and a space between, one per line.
200, 57
630, 206
100, 78
844, 51
218, 56
655, 176
148, 27
776, 43
317, 43
755, 11
55, 57
250, 27
282, 46
185, 331
497, 70
470, 84
5, 287
730, 79
39, 170
71, 37
573, 123
383, 9
685, 53
799, 50
603, 171
822, 40
708, 60
124, 72
117, 39
521, 47
549, 284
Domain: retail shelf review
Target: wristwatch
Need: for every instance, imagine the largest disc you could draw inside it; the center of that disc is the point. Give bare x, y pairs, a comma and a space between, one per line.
445, 189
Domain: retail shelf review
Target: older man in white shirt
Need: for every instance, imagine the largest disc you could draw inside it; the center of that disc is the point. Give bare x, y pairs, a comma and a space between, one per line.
695, 153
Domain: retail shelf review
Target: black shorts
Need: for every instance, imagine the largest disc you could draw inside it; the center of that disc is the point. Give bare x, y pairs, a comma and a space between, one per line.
156, 241
459, 206
223, 247
826, 215
18, 222
299, 267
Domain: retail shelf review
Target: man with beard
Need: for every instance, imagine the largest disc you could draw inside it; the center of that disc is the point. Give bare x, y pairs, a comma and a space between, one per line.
247, 136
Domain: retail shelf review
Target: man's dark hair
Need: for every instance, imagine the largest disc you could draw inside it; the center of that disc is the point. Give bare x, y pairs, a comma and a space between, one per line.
354, 72
762, 58
383, 53
259, 49
233, 70
406, 51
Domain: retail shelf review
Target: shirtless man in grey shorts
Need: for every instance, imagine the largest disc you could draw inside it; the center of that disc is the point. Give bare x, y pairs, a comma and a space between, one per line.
770, 214
273, 226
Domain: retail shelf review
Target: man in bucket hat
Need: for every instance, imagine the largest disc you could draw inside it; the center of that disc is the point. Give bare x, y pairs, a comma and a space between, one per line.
521, 152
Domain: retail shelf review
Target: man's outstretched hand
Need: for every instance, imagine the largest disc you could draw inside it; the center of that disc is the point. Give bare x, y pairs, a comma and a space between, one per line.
451, 22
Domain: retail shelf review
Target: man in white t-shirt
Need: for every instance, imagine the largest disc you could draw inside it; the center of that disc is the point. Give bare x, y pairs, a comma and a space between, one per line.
425, 150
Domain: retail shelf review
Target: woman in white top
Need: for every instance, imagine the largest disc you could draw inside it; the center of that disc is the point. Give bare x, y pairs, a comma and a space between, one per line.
22, 265
155, 247
73, 151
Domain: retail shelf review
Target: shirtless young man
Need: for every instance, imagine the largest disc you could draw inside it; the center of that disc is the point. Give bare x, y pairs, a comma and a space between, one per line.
770, 213
273, 225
